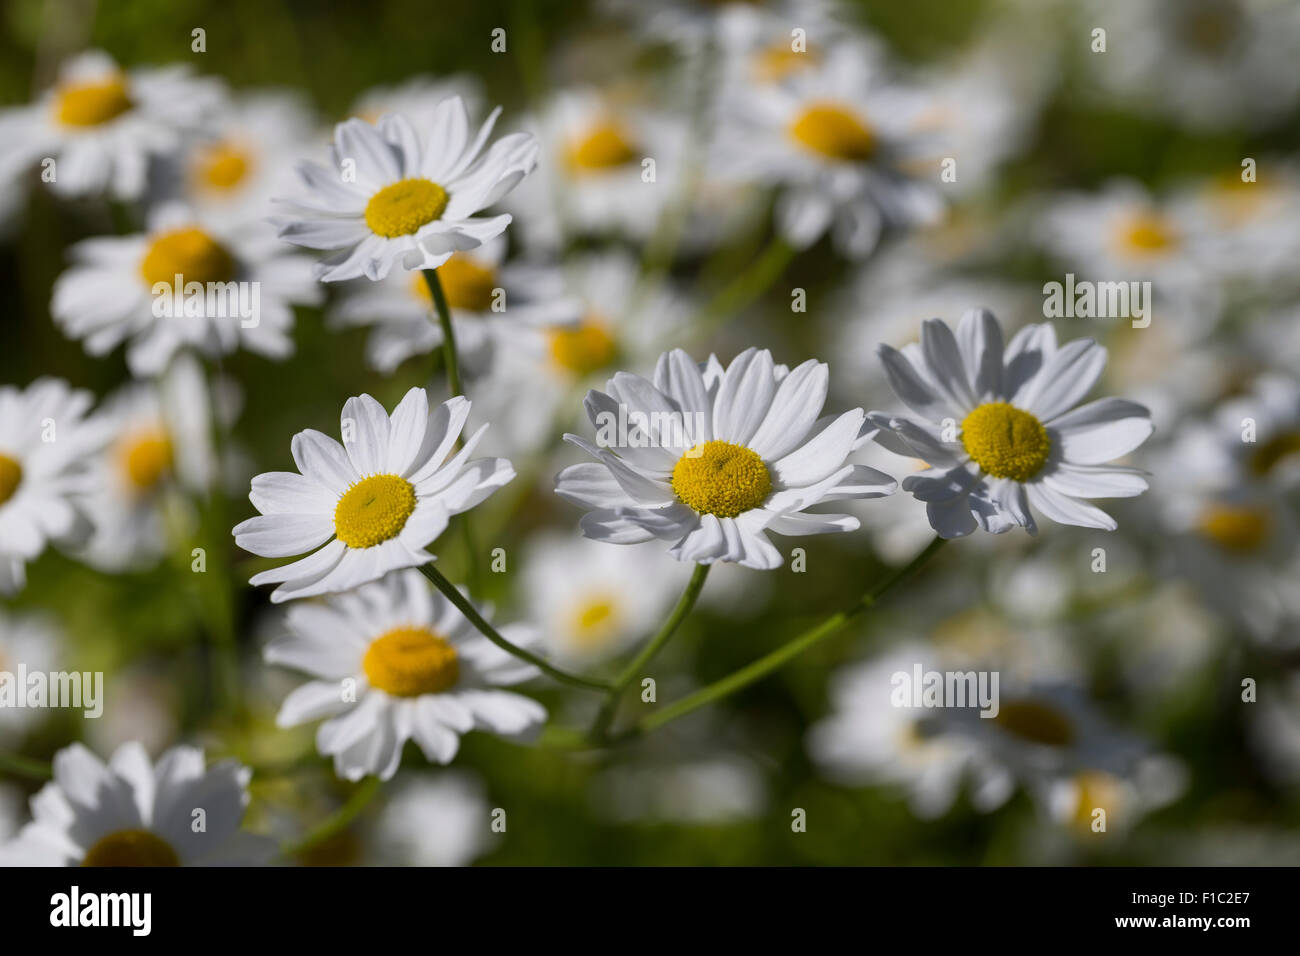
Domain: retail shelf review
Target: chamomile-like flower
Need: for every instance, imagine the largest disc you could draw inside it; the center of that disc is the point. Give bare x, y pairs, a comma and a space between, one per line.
442, 820
372, 504
185, 283
1000, 431
34, 642
711, 459
102, 125
44, 445
493, 304
395, 197
394, 662
134, 812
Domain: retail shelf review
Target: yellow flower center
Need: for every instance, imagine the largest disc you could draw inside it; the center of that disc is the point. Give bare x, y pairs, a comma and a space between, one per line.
1147, 234
146, 459
778, 61
222, 166
467, 284
1272, 452
1005, 441
1035, 722
373, 510
131, 848
410, 661
401, 208
11, 476
1239, 528
91, 104
835, 131
594, 621
719, 478
190, 253
603, 147
585, 348
1097, 791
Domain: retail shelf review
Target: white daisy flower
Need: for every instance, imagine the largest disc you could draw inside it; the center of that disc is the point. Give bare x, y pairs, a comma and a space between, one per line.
157, 439
711, 790
418, 99
395, 197
691, 24
248, 284
102, 125
44, 446
591, 603
492, 303
35, 642
133, 812
1001, 432
712, 459
378, 499
441, 820
840, 142
396, 662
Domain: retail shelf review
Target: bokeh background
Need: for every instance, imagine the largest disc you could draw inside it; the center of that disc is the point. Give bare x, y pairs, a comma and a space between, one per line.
1047, 135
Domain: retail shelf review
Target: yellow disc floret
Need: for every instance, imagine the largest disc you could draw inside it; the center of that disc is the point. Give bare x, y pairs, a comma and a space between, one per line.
585, 348
146, 459
373, 510
222, 166
189, 253
1035, 722
834, 131
1239, 528
401, 208
467, 284
1005, 441
604, 146
11, 476
1147, 234
410, 661
91, 104
594, 620
131, 848
719, 478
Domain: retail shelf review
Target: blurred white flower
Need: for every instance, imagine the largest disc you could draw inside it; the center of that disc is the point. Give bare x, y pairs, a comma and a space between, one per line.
35, 642
432, 820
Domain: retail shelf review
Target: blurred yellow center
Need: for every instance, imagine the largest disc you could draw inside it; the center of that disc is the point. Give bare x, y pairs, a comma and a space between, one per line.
779, 61
1097, 791
90, 104
834, 131
1240, 528
410, 661
190, 253
603, 147
146, 458
1147, 233
131, 848
1035, 722
1005, 441
1272, 452
11, 476
223, 166
373, 510
593, 622
584, 348
467, 284
403, 207
719, 478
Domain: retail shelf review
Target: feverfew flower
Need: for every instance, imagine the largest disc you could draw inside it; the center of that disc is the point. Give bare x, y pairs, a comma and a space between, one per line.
396, 662
125, 289
372, 504
1001, 431
396, 197
101, 125
44, 444
132, 812
712, 459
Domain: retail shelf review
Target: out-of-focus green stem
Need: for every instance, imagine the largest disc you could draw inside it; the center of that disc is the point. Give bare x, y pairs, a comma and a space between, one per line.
340, 820
16, 766
440, 306
741, 291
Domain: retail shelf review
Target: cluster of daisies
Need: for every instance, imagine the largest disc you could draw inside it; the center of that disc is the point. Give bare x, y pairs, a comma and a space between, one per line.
983, 423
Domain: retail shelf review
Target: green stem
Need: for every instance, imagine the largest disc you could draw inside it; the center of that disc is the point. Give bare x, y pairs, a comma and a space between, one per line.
736, 295
17, 766
600, 729
487, 630
448, 336
340, 820
784, 654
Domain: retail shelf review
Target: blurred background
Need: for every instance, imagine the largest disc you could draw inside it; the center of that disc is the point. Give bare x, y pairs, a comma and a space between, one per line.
1169, 647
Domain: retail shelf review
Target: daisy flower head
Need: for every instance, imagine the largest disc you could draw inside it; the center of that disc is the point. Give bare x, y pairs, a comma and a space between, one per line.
843, 144
371, 504
396, 197
44, 446
35, 642
134, 812
418, 99
393, 662
187, 282
999, 429
712, 458
102, 125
